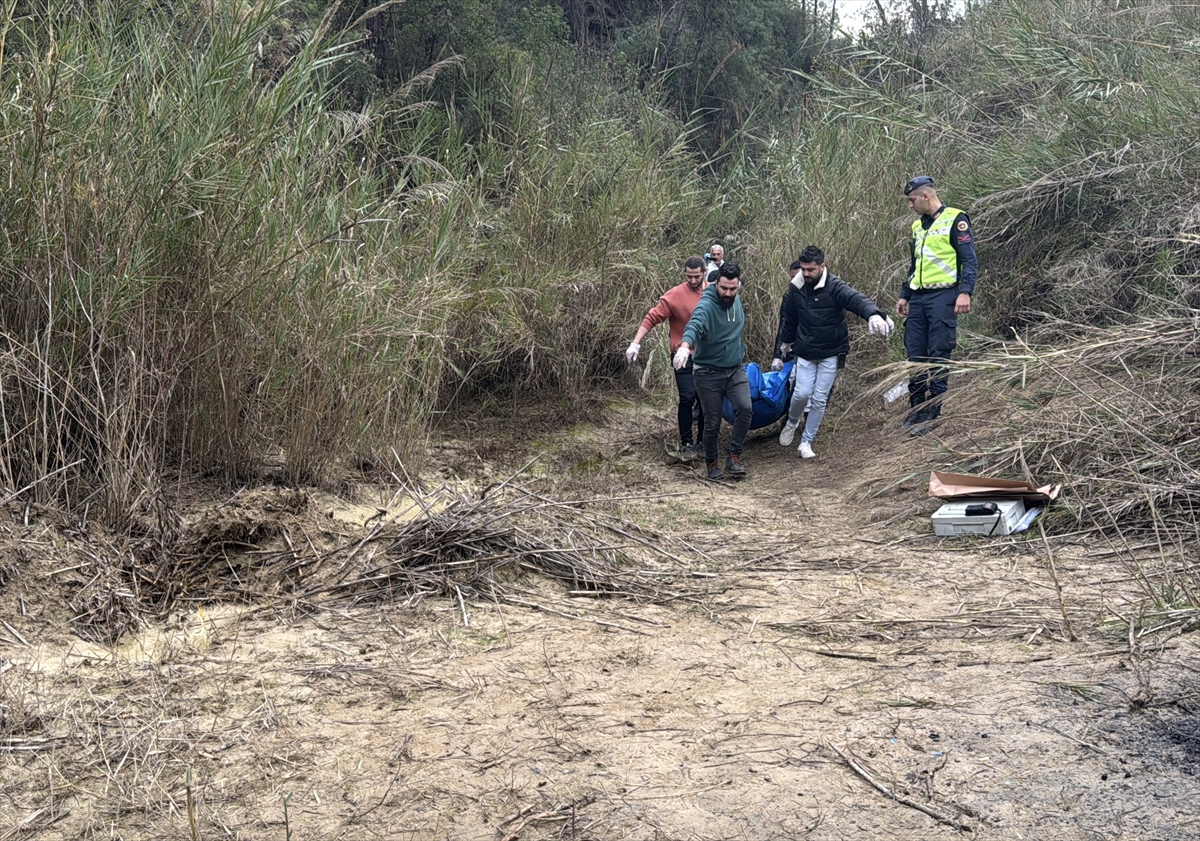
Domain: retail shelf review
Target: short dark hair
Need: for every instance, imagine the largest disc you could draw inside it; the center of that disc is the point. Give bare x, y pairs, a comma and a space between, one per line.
811, 254
732, 270
918, 182
694, 263
795, 266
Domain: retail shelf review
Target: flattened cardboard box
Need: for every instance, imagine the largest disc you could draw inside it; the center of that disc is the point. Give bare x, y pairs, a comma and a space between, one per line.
963, 486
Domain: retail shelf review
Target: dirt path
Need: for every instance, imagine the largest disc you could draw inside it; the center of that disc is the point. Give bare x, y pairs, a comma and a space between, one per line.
838, 633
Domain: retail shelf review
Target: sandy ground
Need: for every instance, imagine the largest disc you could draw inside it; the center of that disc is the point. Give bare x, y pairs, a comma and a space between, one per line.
848, 675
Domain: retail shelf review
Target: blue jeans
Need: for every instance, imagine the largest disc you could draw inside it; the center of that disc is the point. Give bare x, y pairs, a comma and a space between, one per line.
814, 378
713, 385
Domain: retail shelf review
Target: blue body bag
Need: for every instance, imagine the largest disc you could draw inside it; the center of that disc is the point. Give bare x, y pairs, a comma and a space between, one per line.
770, 394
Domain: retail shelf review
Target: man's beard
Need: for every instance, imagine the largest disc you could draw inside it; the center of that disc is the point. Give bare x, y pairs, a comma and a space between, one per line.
726, 303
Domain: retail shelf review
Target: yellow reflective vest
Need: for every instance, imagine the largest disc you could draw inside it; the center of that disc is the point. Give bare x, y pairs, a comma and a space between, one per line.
936, 261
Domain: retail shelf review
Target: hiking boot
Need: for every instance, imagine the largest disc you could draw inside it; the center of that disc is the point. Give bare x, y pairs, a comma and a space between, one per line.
917, 412
688, 453
923, 418
714, 472
788, 433
734, 465
806, 450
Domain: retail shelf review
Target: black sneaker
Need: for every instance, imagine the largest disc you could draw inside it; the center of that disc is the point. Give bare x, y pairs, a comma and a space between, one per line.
688, 453
714, 472
734, 464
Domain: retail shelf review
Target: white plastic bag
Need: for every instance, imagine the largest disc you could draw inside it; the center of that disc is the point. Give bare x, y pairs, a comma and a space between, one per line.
895, 393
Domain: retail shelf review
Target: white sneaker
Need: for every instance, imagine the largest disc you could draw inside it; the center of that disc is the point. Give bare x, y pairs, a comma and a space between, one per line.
806, 450
788, 433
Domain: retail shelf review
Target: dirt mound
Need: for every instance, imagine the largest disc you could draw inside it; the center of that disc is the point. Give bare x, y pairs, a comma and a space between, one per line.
248, 519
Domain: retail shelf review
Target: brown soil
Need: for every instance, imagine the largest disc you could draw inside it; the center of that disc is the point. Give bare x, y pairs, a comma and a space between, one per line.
841, 649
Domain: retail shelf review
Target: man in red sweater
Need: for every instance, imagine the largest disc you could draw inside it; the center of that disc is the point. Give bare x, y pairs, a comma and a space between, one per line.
675, 307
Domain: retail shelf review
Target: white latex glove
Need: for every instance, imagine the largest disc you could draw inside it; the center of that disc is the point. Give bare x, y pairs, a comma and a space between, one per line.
681, 357
631, 352
878, 325
776, 364
784, 350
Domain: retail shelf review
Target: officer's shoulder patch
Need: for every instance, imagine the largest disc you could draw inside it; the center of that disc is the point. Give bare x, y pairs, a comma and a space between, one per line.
962, 224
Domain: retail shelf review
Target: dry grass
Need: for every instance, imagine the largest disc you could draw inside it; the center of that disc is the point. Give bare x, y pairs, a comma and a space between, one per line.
1113, 415
260, 547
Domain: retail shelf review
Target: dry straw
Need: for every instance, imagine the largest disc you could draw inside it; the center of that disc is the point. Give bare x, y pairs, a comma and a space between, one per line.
445, 543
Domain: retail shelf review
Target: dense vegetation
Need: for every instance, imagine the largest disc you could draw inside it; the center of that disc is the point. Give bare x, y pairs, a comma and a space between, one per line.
303, 230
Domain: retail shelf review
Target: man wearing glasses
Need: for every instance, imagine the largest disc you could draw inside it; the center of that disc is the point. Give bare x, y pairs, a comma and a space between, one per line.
675, 307
714, 259
941, 280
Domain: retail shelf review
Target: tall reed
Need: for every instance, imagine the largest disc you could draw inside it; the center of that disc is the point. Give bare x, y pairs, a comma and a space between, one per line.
205, 265
1063, 127
584, 205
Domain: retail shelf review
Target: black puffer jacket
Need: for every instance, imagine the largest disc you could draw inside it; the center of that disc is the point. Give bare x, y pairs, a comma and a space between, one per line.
812, 318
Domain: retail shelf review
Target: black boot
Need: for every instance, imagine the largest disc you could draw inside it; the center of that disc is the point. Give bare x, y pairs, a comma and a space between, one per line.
734, 466
916, 410
925, 417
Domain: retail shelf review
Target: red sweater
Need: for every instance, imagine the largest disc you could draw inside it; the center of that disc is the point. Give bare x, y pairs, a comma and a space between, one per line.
675, 307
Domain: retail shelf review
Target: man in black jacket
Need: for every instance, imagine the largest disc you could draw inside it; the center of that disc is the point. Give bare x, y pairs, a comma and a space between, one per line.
812, 325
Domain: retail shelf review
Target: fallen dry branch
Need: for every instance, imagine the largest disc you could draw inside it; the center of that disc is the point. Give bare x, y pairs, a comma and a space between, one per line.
845, 655
482, 546
558, 813
899, 798
460, 546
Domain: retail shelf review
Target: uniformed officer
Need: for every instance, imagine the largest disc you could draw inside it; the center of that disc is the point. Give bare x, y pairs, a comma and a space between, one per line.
941, 280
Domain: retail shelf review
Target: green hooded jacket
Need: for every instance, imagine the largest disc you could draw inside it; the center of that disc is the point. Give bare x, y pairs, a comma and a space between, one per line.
715, 333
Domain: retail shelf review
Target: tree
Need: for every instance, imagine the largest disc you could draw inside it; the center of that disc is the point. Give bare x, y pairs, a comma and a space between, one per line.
720, 59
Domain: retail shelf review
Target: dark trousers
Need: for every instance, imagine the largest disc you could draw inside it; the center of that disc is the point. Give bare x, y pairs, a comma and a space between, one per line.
714, 385
685, 382
930, 334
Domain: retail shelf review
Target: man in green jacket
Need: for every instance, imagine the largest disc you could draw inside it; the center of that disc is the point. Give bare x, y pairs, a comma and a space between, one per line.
713, 339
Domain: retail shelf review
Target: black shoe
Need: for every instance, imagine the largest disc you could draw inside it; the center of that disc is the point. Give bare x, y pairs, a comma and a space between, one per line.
688, 453
924, 417
917, 413
714, 472
734, 465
